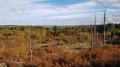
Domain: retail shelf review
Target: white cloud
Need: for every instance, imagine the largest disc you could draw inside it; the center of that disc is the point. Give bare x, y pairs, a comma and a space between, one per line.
114, 18
71, 16
27, 12
52, 10
13, 10
110, 2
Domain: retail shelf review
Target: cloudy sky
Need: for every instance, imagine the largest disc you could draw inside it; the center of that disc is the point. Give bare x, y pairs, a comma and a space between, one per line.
57, 12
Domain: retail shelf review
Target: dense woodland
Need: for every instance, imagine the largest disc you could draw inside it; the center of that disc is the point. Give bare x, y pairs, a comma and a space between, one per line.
37, 46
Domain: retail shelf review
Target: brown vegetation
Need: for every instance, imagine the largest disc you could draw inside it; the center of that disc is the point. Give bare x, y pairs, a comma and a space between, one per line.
98, 57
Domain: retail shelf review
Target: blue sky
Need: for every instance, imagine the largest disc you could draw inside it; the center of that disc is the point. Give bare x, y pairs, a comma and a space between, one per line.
57, 12
61, 2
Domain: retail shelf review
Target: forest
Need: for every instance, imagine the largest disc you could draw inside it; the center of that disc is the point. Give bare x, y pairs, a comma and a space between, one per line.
73, 46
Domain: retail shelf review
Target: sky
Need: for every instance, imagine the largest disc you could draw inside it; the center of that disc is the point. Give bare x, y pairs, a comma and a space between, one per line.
58, 12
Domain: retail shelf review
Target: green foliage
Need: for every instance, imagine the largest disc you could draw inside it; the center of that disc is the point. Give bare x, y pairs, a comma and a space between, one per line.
55, 30
110, 27
100, 28
117, 26
117, 32
47, 34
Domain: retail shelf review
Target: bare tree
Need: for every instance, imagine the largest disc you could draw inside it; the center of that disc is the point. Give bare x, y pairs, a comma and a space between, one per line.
104, 42
95, 39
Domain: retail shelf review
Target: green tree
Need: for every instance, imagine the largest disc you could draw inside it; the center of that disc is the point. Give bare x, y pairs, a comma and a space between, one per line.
55, 30
111, 28
99, 28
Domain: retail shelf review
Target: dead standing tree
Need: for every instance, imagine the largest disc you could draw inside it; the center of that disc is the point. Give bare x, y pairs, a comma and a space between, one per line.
104, 42
95, 36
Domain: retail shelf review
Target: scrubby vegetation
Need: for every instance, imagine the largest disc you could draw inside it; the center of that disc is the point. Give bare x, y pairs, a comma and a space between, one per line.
56, 57
59, 46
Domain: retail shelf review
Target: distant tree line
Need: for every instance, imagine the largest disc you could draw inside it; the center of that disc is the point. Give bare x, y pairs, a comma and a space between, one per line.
67, 34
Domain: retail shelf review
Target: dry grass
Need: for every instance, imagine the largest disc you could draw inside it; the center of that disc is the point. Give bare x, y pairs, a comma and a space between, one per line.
76, 47
98, 57
76, 55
